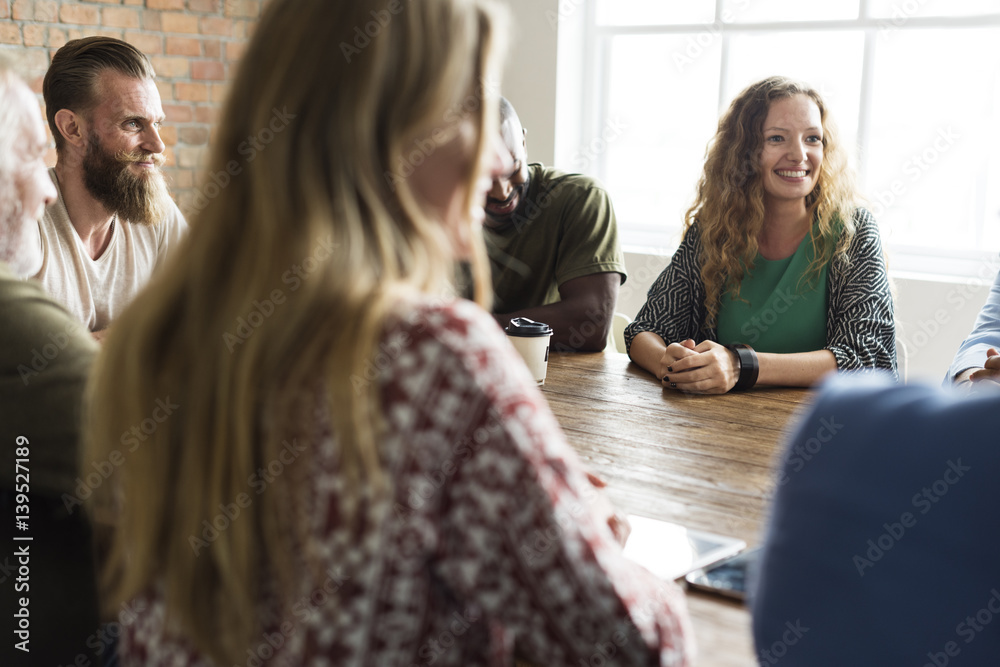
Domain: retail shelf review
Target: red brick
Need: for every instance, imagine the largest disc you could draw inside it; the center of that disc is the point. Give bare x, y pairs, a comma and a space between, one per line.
165, 4
23, 10
176, 22
208, 70
178, 113
168, 133
79, 14
168, 157
34, 35
182, 179
183, 46
206, 114
148, 43
206, 6
10, 33
213, 25
170, 68
34, 10
57, 38
138, 3
119, 17
197, 135
191, 92
46, 11
235, 50
213, 48
243, 8
4, 9
190, 156
165, 89
117, 33
152, 21
219, 92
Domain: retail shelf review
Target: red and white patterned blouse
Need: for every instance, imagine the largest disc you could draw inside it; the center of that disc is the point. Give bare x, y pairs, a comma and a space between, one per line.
490, 540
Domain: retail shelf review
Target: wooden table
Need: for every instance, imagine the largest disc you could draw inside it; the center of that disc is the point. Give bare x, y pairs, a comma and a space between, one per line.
701, 461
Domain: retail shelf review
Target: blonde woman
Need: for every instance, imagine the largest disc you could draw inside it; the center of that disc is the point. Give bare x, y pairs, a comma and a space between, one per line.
780, 278
329, 460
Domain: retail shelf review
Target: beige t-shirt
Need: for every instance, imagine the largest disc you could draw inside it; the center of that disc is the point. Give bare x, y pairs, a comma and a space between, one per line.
97, 291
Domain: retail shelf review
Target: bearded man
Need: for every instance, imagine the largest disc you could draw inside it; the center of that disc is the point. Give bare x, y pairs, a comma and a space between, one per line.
113, 220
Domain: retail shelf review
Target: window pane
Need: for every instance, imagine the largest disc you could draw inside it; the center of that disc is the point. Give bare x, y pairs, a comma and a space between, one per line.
767, 11
667, 114
932, 173
655, 12
900, 10
838, 80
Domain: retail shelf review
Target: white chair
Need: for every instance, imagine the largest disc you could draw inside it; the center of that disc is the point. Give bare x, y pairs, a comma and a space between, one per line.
618, 324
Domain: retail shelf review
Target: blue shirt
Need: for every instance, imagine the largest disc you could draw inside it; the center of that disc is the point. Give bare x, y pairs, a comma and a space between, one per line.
883, 546
985, 334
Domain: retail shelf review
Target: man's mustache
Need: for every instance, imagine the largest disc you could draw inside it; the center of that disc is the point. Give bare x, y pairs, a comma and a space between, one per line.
135, 157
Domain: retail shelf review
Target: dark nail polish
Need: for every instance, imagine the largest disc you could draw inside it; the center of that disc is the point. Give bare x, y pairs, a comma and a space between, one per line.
670, 369
673, 385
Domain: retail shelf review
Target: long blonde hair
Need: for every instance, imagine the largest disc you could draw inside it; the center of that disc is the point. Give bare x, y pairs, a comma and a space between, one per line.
729, 205
303, 248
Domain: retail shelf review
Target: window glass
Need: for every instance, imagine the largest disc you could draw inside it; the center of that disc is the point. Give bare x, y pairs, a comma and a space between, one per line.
756, 56
900, 10
661, 116
769, 11
654, 12
932, 158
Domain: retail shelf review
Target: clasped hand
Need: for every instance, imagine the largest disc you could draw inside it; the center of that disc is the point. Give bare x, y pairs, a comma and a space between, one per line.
705, 368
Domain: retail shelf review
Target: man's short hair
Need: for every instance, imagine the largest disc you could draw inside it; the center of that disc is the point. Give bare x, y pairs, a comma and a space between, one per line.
71, 82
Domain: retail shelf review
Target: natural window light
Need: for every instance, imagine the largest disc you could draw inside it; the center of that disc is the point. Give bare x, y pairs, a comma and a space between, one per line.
914, 86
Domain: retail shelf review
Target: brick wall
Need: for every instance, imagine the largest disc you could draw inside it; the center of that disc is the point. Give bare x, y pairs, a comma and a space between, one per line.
193, 45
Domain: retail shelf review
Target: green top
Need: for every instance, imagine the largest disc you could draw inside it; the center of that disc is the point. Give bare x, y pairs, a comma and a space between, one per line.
45, 357
565, 229
776, 312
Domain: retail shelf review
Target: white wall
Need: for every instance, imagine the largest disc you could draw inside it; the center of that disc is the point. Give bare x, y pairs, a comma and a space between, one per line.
530, 80
933, 315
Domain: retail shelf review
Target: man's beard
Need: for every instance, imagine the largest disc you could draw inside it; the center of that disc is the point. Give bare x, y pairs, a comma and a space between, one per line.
138, 198
499, 222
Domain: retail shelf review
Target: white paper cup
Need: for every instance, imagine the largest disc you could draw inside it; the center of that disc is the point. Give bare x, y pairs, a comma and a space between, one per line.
531, 340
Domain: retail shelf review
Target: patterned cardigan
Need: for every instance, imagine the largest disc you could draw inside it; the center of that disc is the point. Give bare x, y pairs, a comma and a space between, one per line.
860, 322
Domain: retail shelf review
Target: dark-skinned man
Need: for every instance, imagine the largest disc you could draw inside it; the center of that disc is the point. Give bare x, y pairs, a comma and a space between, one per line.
553, 244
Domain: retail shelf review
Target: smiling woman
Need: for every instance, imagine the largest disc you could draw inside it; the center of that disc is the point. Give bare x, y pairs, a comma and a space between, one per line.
776, 254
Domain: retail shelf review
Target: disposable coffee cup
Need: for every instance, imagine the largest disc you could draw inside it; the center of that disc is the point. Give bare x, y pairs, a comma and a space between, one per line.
531, 340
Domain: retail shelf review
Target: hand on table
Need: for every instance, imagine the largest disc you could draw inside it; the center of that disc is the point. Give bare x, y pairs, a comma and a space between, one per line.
617, 522
706, 368
674, 353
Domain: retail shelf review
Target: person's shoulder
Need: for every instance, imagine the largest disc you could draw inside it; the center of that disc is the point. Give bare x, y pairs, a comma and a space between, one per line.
458, 325
864, 223
451, 333
551, 178
873, 413
34, 317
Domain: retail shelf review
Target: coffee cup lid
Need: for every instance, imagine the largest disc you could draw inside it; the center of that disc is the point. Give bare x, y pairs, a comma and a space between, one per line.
525, 328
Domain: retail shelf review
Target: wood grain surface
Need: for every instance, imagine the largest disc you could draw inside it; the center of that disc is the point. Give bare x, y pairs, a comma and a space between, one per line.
701, 461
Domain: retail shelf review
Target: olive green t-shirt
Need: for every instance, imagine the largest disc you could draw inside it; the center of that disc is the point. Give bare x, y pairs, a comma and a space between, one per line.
565, 229
45, 357
776, 311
